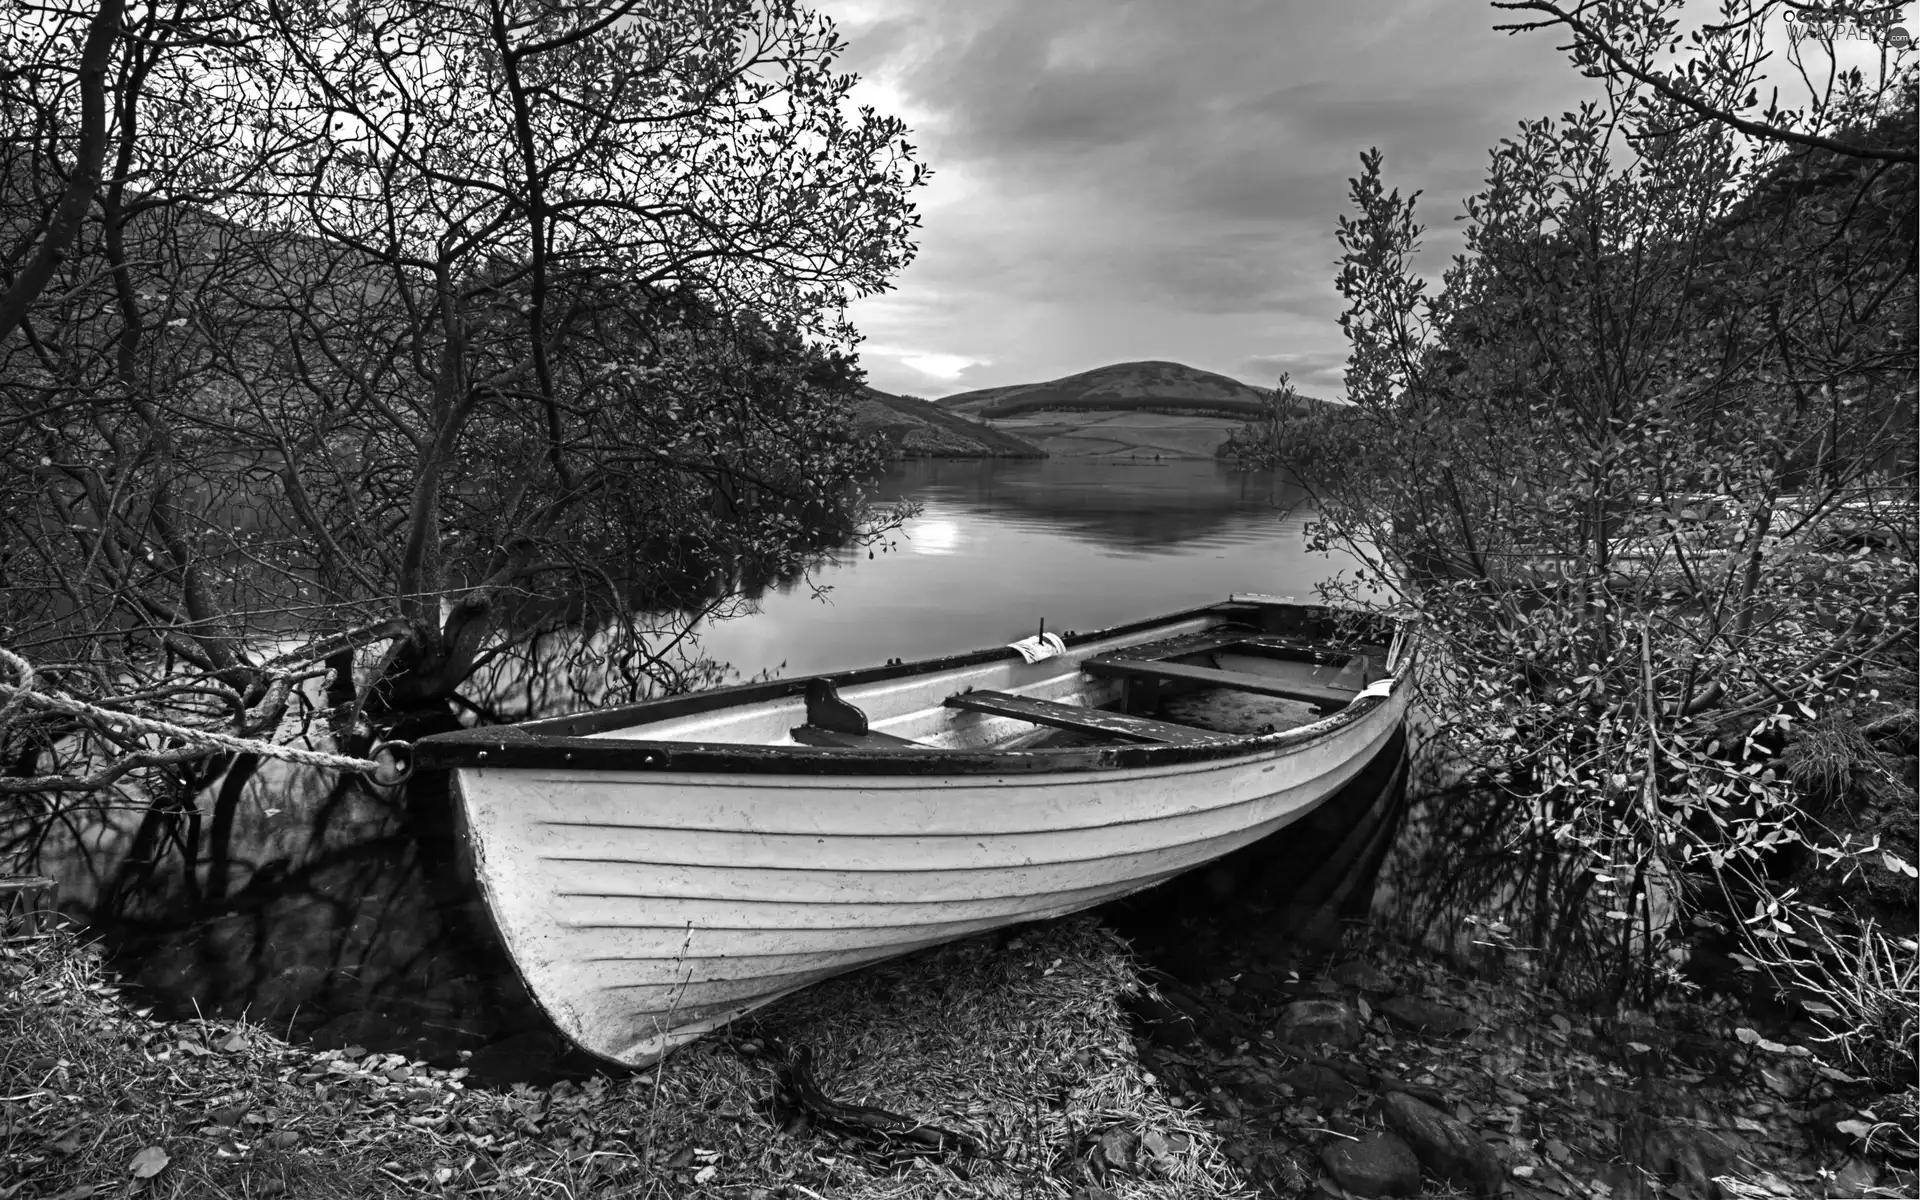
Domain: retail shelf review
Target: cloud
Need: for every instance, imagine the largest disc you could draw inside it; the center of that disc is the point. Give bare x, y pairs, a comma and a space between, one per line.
940, 366
1161, 179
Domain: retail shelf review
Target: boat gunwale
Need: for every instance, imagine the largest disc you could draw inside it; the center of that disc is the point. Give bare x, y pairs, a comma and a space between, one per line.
542, 744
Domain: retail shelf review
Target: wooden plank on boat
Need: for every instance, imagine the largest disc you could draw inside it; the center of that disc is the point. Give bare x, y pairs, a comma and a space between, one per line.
1077, 718
1275, 645
1157, 672
815, 735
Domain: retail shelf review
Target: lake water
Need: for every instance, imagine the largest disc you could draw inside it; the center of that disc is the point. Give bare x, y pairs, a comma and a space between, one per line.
1001, 545
331, 910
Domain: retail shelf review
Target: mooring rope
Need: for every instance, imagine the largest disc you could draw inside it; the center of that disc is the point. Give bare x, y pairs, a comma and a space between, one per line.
24, 692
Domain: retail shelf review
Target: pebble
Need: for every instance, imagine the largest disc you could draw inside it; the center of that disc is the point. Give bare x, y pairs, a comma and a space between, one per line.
1328, 1022
1446, 1146
1379, 1164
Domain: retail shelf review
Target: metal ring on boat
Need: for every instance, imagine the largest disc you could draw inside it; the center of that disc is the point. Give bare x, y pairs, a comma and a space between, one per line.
393, 763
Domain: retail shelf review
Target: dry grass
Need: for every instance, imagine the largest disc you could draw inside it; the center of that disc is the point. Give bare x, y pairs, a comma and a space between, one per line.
1023, 1046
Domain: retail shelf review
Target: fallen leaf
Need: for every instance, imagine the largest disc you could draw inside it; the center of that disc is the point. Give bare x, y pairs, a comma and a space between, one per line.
148, 1163
705, 1173
1562, 1024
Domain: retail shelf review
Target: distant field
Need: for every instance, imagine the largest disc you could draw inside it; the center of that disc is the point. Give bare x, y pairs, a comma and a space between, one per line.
1223, 407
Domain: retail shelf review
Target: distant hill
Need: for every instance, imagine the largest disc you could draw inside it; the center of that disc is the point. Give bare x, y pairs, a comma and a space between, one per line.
922, 429
1134, 386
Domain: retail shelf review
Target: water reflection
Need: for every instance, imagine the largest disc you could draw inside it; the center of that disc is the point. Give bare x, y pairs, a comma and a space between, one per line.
1001, 546
1125, 508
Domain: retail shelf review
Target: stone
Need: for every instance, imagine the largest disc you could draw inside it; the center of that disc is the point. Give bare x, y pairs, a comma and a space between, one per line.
1324, 1084
1310, 1022
1158, 1145
1119, 1148
1428, 1015
1445, 1145
1685, 1154
1379, 1164
1361, 976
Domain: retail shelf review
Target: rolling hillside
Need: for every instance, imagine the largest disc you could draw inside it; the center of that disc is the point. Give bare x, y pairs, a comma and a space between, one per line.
1136, 410
922, 429
1122, 387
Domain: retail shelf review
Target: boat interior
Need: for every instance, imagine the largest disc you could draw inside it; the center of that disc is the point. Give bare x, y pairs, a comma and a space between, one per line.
1243, 668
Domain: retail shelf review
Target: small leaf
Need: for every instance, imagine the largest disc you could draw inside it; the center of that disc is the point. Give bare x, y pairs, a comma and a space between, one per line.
148, 1163
1746, 1035
705, 1173
1859, 1129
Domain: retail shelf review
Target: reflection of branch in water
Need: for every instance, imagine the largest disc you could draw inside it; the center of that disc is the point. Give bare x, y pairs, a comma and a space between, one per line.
220, 836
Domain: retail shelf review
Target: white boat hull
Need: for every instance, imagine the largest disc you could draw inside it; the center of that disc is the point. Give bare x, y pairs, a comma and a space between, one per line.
644, 908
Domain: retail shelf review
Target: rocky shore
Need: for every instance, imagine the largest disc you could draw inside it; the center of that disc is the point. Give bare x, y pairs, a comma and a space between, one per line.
1260, 1065
1367, 1067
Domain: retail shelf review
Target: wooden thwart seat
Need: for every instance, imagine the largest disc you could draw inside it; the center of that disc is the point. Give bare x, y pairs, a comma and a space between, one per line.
1081, 720
1261, 685
817, 735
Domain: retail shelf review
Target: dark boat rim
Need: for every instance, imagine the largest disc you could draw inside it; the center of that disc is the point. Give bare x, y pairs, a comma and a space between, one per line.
562, 742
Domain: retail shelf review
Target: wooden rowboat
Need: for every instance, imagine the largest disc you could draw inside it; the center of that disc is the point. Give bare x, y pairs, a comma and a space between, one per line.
657, 870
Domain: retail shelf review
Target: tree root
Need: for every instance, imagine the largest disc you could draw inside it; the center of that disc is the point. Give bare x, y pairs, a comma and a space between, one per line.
798, 1099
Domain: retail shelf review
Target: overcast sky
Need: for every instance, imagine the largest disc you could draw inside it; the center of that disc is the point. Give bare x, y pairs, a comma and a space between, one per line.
1160, 179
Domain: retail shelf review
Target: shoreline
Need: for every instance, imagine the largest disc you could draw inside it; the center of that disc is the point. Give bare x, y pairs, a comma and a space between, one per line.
1085, 1073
